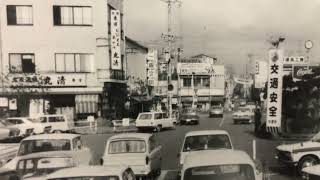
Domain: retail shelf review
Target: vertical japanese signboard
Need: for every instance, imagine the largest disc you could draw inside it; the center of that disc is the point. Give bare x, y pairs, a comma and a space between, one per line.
152, 68
115, 40
274, 98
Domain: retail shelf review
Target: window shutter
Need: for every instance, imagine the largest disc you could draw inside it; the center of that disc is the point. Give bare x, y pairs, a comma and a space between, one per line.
11, 15
56, 15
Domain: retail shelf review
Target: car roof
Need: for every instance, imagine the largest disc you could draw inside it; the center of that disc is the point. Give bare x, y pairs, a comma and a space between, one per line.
47, 154
52, 136
24, 118
81, 171
315, 170
50, 115
144, 136
216, 157
206, 132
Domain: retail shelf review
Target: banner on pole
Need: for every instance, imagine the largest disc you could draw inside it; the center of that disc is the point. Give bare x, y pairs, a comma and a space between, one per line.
115, 40
274, 95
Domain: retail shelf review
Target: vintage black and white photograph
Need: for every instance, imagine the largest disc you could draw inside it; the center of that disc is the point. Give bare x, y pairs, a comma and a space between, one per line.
159, 90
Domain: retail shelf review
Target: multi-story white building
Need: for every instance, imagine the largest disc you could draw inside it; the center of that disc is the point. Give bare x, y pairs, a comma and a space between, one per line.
64, 54
201, 82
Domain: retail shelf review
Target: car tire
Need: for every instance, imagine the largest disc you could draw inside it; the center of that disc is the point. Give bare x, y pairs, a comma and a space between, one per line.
57, 131
305, 162
158, 128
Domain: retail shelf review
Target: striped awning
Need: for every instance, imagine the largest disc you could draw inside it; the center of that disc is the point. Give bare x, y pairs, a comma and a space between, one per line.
86, 103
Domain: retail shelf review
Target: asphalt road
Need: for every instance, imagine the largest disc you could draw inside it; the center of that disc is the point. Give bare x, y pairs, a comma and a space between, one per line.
241, 135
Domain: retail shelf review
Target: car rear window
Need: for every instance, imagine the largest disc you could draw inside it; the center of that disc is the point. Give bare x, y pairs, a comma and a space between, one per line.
43, 145
145, 116
204, 142
221, 172
127, 146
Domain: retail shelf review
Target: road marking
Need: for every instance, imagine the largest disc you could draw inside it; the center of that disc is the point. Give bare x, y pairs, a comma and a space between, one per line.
221, 123
163, 174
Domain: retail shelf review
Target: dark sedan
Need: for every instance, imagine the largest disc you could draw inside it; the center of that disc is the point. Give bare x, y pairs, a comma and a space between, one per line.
189, 119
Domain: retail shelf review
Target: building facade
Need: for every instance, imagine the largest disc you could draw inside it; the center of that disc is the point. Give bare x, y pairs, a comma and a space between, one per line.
61, 56
201, 84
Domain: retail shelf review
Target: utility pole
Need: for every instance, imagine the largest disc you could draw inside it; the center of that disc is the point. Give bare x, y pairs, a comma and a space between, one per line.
169, 38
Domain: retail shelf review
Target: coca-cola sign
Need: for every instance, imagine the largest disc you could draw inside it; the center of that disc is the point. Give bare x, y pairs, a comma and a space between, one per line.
300, 71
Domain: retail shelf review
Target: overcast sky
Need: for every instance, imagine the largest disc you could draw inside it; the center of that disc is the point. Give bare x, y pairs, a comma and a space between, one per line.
230, 29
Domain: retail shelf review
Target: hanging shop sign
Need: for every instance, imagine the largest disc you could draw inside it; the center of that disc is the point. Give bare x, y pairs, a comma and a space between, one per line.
274, 95
200, 69
152, 68
115, 40
47, 80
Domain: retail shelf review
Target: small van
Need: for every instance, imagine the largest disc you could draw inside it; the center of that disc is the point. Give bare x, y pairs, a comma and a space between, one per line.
204, 140
58, 122
137, 150
154, 120
220, 164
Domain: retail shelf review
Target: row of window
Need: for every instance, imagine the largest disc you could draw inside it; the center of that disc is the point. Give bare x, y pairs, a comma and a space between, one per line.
197, 82
62, 15
64, 62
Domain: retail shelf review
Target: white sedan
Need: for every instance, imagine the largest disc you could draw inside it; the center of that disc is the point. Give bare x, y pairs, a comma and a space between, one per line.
243, 115
25, 124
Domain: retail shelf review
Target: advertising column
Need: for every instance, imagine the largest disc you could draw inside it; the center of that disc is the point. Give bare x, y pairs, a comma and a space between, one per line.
274, 95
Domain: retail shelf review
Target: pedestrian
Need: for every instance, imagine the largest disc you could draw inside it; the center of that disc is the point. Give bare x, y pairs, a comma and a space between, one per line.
257, 120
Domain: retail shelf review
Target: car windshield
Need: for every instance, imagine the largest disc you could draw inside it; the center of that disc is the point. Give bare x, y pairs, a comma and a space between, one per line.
145, 116
89, 178
127, 146
43, 145
244, 109
316, 138
204, 142
221, 172
4, 123
42, 166
190, 116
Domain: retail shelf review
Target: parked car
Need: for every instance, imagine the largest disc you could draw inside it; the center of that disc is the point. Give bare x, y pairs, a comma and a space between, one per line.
7, 132
242, 102
7, 152
301, 154
311, 173
216, 111
41, 144
35, 167
8, 174
154, 121
243, 115
25, 127
58, 122
188, 111
93, 173
189, 119
220, 164
137, 150
204, 140
28, 123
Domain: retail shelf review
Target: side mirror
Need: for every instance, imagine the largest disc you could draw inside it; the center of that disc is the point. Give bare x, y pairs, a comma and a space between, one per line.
101, 161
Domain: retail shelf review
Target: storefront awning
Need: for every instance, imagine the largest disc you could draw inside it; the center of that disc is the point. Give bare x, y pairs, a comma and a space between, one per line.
86, 103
